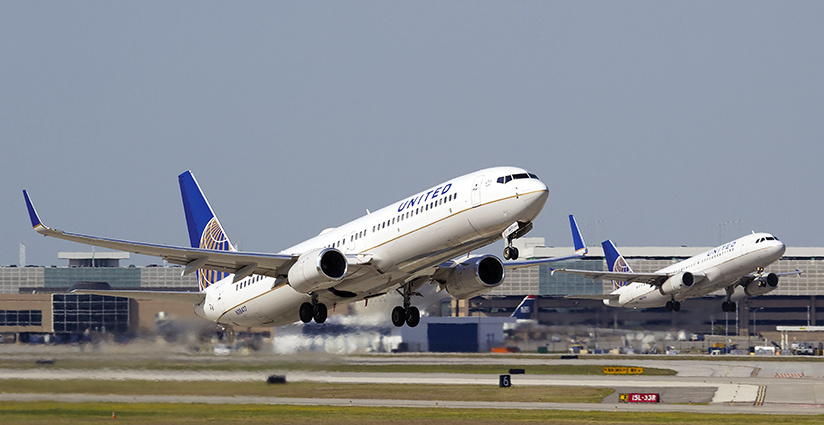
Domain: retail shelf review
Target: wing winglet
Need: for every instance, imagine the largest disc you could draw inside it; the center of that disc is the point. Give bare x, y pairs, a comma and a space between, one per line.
577, 238
38, 225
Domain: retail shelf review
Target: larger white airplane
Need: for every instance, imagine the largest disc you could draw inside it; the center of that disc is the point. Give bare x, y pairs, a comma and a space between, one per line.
737, 267
398, 248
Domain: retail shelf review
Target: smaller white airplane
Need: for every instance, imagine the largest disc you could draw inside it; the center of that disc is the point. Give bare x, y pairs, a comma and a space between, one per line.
737, 267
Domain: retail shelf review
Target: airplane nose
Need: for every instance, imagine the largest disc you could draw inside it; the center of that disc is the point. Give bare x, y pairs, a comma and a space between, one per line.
780, 249
534, 195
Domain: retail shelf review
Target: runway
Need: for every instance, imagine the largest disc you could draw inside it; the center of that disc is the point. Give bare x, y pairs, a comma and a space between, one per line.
728, 386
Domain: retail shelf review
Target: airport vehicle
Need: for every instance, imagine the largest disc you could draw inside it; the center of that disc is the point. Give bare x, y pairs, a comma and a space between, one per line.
400, 248
737, 267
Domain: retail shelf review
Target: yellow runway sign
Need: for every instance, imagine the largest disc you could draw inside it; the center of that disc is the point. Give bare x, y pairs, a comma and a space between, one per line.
623, 370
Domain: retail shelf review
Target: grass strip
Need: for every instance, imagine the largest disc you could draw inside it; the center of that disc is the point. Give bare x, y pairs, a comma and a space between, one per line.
50, 413
522, 393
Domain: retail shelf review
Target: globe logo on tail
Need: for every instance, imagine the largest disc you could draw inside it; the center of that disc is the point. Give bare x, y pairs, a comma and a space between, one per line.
620, 266
212, 238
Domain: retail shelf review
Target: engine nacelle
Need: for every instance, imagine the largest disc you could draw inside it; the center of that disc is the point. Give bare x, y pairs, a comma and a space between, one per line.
475, 276
677, 283
318, 269
762, 285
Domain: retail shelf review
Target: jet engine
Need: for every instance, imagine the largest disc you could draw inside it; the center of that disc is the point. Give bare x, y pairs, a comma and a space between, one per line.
475, 276
677, 283
318, 269
759, 286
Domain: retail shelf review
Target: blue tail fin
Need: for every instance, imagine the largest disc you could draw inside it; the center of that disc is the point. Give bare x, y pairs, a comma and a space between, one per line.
525, 308
205, 230
577, 239
615, 262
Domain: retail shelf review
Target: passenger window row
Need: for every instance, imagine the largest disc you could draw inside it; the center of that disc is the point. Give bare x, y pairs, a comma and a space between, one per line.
397, 219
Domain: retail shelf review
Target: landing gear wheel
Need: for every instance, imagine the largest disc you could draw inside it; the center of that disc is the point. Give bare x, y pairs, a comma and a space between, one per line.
398, 316
413, 316
670, 306
306, 312
510, 253
728, 307
320, 313
676, 306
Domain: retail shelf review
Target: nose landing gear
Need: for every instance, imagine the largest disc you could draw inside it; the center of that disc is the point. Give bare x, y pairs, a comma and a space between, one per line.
510, 252
514, 231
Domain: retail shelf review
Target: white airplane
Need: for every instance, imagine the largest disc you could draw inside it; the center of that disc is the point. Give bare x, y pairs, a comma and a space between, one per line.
737, 267
400, 247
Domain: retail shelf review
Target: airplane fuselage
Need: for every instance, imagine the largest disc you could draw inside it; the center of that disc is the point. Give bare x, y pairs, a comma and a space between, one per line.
398, 244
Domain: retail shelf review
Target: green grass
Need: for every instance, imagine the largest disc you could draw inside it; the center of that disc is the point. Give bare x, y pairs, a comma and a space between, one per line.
490, 393
50, 413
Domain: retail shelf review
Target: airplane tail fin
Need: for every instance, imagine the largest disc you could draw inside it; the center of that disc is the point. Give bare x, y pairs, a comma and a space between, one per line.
577, 238
525, 308
615, 262
205, 231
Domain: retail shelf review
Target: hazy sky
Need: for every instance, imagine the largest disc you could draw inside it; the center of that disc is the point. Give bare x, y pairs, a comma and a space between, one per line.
654, 122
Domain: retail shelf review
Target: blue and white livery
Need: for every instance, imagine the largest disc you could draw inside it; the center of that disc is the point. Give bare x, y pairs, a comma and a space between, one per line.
421, 239
525, 309
737, 267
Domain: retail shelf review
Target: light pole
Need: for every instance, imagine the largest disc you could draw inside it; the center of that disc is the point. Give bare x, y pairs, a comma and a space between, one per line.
754, 321
808, 315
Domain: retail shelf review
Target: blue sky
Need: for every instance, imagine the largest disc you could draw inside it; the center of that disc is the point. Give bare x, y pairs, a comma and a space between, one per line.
654, 122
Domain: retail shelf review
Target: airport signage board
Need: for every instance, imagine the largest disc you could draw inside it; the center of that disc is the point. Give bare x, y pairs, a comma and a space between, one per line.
622, 370
505, 381
638, 398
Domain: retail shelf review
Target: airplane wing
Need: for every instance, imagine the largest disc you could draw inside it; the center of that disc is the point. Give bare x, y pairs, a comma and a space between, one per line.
171, 296
654, 279
272, 265
745, 280
577, 241
593, 297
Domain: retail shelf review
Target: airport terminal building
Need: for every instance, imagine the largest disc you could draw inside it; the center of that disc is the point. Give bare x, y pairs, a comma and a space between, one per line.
33, 299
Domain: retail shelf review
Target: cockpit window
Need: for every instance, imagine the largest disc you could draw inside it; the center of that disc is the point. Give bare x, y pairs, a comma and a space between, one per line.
507, 179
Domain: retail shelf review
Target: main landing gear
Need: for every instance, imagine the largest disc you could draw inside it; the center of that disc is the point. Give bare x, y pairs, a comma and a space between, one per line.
728, 306
673, 305
407, 313
313, 310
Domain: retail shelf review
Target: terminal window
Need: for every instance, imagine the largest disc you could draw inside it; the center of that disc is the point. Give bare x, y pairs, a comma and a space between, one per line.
21, 318
76, 313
